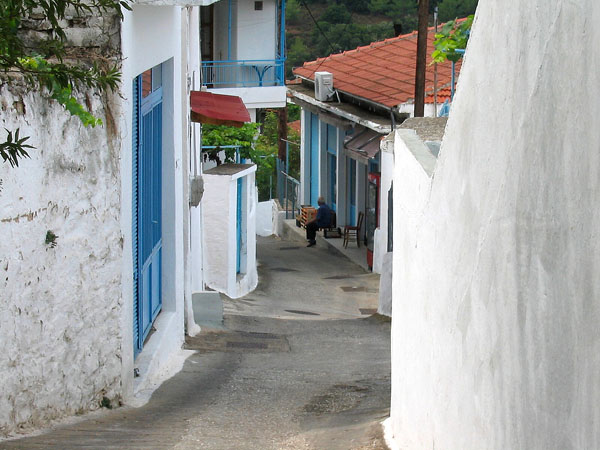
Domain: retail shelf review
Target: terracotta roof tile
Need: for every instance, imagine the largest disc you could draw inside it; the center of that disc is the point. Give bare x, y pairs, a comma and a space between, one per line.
382, 71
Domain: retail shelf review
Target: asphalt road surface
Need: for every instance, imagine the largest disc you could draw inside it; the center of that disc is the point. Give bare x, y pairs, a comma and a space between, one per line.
301, 363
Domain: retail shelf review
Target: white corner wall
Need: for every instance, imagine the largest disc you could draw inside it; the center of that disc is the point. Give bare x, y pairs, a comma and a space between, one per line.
380, 240
61, 306
495, 336
143, 49
219, 208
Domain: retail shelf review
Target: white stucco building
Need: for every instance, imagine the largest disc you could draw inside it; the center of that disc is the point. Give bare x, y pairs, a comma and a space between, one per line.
243, 51
344, 156
495, 337
78, 308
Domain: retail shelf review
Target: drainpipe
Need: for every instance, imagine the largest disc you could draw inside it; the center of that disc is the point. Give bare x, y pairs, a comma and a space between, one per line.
229, 20
452, 82
282, 42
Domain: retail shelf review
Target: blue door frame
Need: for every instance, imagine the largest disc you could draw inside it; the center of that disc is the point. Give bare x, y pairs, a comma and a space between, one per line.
352, 189
314, 159
147, 207
332, 163
238, 226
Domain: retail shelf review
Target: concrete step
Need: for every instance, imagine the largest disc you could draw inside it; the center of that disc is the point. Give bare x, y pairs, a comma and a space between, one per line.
208, 309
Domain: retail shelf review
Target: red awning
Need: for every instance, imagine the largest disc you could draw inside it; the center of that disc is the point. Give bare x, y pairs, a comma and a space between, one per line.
218, 109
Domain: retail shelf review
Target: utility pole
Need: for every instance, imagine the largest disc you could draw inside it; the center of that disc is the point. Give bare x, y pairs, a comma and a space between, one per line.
421, 58
282, 132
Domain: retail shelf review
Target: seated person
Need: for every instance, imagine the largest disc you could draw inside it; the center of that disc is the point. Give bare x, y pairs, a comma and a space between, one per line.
323, 220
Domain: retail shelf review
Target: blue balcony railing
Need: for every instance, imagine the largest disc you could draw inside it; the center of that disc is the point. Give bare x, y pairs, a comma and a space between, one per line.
243, 73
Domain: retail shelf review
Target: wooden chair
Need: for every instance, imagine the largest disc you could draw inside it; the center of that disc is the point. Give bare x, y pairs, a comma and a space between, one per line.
351, 232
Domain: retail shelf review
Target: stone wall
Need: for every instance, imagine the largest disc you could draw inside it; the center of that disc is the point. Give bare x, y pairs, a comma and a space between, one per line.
60, 263
495, 334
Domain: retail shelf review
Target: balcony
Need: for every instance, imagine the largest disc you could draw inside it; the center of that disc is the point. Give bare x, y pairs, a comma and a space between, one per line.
243, 73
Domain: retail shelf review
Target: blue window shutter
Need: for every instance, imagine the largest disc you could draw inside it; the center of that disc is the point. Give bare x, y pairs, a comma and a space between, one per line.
134, 215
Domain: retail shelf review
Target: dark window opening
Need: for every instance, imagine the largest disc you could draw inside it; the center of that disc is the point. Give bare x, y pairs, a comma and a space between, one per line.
258, 6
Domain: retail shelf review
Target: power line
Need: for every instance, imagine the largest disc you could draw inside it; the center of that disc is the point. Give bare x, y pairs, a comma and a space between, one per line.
317, 25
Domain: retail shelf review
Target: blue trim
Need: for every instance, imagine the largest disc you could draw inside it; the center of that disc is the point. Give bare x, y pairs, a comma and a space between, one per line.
332, 160
314, 159
281, 70
147, 210
352, 189
244, 72
331, 139
452, 82
238, 227
229, 20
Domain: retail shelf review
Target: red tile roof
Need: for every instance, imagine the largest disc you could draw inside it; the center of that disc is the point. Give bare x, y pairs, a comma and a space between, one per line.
442, 95
383, 72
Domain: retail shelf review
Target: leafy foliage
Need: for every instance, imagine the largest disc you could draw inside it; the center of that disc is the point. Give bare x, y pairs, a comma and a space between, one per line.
14, 148
222, 135
451, 9
260, 146
43, 65
453, 37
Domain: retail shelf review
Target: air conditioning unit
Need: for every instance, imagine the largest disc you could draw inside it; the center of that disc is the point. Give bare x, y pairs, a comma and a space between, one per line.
323, 86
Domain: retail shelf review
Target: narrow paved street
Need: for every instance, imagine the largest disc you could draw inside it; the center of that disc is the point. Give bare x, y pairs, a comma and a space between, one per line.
300, 364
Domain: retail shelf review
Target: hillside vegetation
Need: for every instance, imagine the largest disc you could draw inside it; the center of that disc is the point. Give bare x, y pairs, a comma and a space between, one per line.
347, 24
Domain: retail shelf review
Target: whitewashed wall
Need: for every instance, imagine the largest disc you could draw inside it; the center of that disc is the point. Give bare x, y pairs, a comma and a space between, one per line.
143, 49
495, 337
266, 218
67, 312
220, 245
256, 30
61, 307
380, 239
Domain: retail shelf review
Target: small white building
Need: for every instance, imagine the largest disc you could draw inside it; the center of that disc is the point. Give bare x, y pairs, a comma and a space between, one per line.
231, 219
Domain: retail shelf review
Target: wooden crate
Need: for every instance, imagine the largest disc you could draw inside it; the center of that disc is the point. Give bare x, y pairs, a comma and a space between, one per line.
307, 213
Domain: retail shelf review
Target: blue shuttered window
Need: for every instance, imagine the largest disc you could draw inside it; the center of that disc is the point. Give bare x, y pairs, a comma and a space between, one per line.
147, 202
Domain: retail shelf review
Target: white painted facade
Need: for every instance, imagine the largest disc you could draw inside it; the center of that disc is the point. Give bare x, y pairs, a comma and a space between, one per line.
67, 310
495, 336
220, 244
243, 33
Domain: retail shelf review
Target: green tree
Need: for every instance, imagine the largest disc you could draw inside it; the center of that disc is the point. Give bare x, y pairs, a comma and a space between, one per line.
451, 9
453, 37
42, 64
400, 11
293, 12
336, 14
261, 148
298, 53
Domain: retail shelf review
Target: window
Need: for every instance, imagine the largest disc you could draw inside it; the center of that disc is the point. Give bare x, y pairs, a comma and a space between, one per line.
258, 6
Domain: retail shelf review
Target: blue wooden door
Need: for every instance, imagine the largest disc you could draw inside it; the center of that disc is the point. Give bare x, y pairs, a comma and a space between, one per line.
147, 204
352, 191
314, 159
238, 226
332, 163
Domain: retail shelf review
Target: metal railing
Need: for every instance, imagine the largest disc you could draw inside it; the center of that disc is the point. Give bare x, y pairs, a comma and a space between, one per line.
289, 195
243, 73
